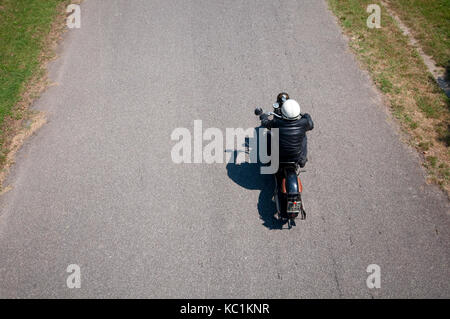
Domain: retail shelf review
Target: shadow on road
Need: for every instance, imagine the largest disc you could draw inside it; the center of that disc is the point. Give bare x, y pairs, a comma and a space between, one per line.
248, 176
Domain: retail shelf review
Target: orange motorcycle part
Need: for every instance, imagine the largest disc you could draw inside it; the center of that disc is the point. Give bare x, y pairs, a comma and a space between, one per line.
283, 185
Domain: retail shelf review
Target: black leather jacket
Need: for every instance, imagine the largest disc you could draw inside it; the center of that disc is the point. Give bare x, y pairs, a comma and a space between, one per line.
293, 141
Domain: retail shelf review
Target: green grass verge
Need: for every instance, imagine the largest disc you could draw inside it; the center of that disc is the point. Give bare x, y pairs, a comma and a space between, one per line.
24, 27
399, 72
429, 20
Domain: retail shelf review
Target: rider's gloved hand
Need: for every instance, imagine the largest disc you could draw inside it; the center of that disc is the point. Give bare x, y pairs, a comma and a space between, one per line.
264, 116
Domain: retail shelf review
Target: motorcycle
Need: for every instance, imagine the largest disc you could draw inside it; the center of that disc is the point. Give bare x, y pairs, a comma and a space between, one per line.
288, 186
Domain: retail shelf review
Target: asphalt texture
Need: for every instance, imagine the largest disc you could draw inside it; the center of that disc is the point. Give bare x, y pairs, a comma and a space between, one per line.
96, 186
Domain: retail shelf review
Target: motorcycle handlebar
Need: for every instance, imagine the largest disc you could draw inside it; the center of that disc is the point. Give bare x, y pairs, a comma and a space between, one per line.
259, 111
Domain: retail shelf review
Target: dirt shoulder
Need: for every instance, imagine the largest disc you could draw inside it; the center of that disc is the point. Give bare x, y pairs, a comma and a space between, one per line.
399, 72
30, 32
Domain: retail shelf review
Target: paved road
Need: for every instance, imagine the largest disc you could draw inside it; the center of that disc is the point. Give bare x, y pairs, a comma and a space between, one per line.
96, 185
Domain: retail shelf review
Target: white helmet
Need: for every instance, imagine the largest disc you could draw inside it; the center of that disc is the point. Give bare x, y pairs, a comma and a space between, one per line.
290, 109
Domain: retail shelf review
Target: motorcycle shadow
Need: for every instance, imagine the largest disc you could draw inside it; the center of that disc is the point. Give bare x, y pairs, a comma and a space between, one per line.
248, 176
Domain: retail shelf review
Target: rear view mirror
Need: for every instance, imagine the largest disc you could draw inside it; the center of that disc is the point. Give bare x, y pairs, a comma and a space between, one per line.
258, 111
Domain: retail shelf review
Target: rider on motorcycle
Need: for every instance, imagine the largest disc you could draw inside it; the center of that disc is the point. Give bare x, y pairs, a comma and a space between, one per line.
292, 129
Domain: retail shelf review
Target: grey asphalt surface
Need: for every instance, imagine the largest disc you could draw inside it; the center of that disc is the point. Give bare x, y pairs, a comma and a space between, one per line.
96, 186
